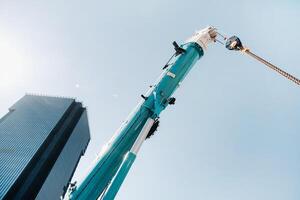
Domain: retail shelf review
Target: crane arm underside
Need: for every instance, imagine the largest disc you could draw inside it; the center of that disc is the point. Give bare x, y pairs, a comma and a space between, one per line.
154, 102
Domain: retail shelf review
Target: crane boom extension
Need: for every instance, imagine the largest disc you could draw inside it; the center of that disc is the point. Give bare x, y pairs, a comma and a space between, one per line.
234, 43
111, 167
116, 158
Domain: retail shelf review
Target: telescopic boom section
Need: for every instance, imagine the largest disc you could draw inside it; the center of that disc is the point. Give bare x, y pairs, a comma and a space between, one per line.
116, 158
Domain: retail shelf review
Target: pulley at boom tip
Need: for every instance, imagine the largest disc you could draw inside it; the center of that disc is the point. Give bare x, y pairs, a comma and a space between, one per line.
234, 43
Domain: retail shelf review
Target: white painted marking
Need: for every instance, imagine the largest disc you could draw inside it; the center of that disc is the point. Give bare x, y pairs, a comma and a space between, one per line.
171, 74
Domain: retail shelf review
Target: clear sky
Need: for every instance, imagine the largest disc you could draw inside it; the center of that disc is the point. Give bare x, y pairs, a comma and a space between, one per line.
234, 132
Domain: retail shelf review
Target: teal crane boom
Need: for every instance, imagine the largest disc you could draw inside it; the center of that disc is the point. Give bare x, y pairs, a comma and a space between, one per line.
111, 167
117, 156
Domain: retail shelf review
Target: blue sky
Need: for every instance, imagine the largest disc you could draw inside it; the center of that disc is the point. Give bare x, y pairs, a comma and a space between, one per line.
234, 131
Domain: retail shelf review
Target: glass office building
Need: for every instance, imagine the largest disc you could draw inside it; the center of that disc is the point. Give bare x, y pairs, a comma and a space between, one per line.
41, 141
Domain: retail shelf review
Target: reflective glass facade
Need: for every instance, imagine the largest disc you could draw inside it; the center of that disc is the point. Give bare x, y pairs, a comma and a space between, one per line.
37, 140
